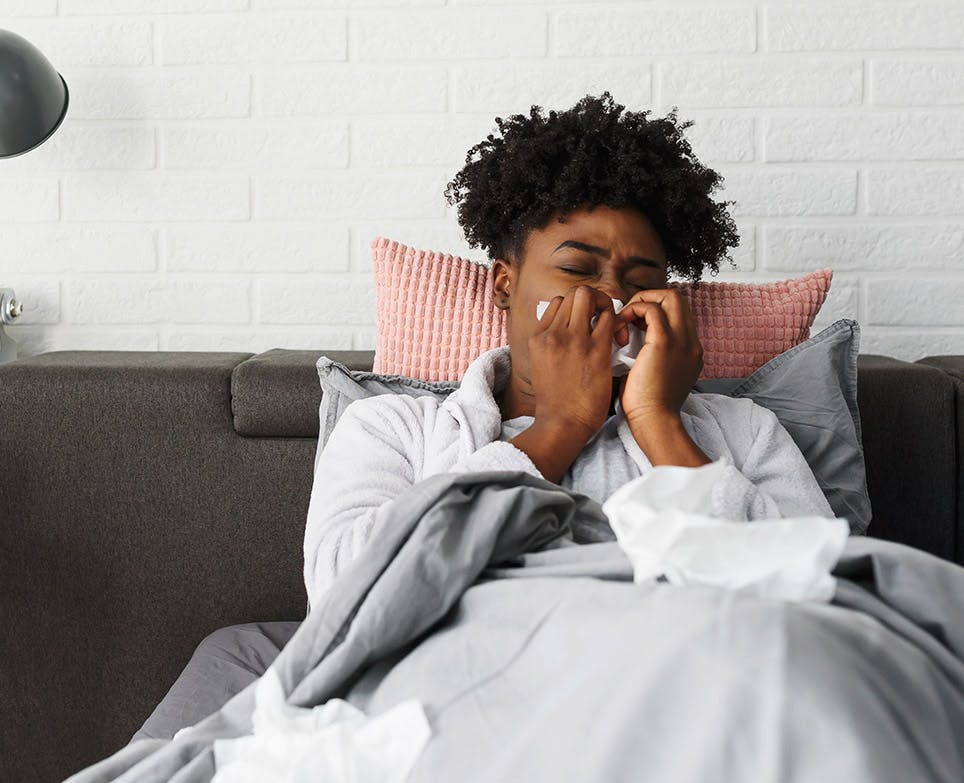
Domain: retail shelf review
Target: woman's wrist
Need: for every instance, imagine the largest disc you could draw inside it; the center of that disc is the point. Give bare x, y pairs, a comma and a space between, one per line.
664, 440
552, 446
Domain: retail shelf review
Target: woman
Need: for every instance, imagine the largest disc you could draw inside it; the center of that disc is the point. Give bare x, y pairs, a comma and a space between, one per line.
578, 208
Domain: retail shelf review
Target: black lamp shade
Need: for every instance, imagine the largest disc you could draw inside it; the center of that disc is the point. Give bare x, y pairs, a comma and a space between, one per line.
33, 96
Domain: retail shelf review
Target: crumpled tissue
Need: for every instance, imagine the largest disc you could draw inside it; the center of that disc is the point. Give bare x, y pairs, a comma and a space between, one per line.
623, 357
334, 741
661, 524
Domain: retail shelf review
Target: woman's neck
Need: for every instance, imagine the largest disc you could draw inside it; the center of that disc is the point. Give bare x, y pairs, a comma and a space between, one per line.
519, 399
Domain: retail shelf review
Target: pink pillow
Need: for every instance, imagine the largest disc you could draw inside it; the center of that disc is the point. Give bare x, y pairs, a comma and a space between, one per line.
435, 315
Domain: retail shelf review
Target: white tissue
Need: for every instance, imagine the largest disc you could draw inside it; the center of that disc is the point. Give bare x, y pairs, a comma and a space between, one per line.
623, 357
660, 523
332, 742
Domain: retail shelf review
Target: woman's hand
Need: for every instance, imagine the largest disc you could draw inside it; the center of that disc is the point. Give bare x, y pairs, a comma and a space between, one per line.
569, 364
670, 361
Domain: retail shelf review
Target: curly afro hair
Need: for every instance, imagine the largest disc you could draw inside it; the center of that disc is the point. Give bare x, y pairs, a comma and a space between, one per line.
592, 154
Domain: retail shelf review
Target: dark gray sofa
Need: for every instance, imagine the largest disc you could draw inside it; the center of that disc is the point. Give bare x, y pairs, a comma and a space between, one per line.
147, 499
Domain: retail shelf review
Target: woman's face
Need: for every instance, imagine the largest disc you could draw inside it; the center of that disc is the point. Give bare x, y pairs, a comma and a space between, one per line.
614, 250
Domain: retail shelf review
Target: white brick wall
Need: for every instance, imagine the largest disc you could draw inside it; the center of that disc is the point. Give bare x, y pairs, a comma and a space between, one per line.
225, 163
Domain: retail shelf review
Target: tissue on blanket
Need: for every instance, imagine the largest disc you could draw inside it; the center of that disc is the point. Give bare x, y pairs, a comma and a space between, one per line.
623, 357
660, 523
332, 742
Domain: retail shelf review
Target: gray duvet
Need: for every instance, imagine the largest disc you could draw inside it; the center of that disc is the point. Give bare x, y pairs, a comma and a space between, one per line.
537, 660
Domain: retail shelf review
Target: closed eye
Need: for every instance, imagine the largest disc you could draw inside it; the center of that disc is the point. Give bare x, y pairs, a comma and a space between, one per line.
572, 271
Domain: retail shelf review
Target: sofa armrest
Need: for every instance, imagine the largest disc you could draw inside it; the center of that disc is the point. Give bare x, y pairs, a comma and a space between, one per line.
953, 366
134, 521
909, 437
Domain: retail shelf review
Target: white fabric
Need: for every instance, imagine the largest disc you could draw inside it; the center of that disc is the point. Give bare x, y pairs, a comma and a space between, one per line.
623, 356
661, 523
384, 445
333, 742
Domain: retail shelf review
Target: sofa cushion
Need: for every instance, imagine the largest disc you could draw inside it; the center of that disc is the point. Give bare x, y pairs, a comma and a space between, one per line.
276, 393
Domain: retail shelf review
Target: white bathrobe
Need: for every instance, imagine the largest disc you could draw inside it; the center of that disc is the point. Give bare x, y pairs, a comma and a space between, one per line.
383, 445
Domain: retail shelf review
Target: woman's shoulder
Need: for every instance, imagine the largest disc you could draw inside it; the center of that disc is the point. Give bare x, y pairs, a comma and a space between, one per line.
394, 421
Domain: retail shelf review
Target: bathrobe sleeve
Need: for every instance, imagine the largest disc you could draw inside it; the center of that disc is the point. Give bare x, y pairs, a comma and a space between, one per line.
766, 476
377, 452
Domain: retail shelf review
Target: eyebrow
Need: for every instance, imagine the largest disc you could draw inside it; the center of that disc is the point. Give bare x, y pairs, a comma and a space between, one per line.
601, 251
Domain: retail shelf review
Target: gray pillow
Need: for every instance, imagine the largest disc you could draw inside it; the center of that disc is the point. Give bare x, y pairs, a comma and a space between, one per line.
812, 389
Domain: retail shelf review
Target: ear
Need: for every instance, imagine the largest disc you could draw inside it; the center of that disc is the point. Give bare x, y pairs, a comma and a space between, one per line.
503, 281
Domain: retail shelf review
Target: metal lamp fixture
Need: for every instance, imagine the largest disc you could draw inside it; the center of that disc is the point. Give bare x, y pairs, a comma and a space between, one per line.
33, 103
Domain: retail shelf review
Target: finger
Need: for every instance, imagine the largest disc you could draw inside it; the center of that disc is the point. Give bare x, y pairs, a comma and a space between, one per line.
615, 329
603, 303
685, 339
671, 301
689, 319
621, 333
605, 323
564, 315
550, 312
583, 307
649, 316
620, 330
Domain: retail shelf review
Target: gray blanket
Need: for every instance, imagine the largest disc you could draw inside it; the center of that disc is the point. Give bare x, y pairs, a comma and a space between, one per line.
539, 660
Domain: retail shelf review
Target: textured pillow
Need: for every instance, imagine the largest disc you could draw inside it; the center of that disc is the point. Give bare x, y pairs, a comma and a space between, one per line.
812, 389
435, 315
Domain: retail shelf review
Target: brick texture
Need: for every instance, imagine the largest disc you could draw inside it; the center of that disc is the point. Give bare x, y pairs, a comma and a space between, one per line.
225, 164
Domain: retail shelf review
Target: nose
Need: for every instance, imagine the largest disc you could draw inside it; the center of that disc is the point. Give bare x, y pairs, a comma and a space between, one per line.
612, 288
